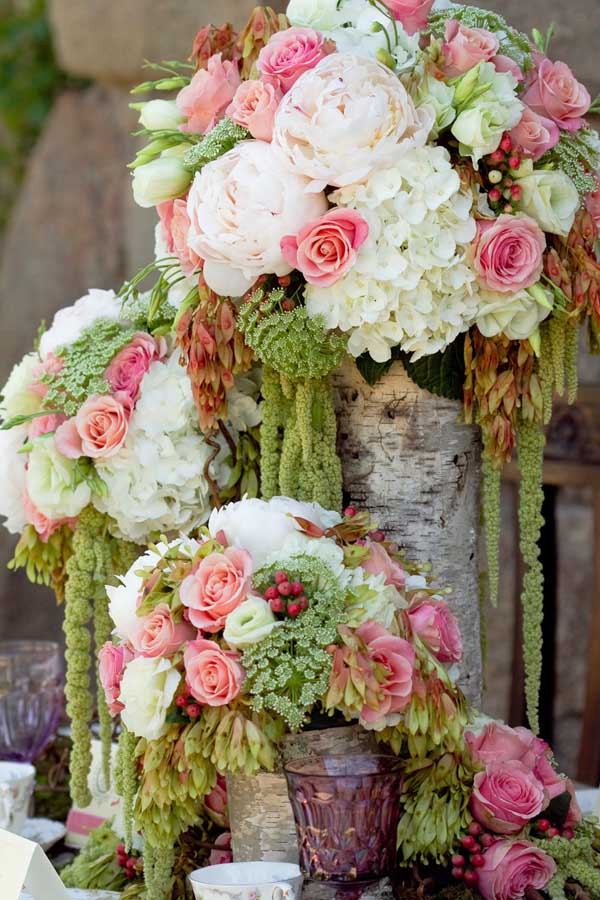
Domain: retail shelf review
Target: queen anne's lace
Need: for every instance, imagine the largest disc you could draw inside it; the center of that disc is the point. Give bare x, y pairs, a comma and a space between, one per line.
411, 284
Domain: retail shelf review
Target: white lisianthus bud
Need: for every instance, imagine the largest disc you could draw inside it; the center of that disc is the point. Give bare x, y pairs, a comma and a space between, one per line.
249, 623
162, 179
161, 115
550, 197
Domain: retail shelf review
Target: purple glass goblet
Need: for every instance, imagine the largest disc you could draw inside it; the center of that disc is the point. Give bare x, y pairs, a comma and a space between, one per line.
347, 810
31, 697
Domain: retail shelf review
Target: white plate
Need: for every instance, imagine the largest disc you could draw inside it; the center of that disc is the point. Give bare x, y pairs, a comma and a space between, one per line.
44, 832
75, 894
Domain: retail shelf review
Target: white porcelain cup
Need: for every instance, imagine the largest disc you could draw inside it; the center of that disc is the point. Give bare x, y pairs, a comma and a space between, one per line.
16, 787
248, 881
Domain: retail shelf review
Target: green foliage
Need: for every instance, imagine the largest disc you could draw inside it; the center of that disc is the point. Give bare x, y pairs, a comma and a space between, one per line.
224, 136
44, 563
96, 867
577, 155
440, 373
513, 43
239, 740
543, 41
151, 310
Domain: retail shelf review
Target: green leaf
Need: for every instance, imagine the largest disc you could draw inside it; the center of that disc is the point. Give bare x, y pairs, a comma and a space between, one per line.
441, 373
22, 420
558, 809
372, 371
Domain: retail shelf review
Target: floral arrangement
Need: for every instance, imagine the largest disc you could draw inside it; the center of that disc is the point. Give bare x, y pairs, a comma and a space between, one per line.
101, 449
281, 610
383, 179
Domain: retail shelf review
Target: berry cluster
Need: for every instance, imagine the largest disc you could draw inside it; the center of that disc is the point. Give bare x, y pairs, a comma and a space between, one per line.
188, 705
503, 164
546, 829
286, 598
133, 865
465, 865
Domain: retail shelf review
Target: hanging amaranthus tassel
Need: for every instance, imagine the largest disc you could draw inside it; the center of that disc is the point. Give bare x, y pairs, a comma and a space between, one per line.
491, 507
531, 497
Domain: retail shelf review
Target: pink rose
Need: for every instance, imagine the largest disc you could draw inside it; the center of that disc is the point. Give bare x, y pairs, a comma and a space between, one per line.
98, 430
555, 92
44, 527
534, 135
180, 225
505, 64
111, 665
222, 855
158, 635
438, 629
511, 867
592, 204
165, 214
127, 370
289, 53
254, 107
506, 797
465, 48
575, 815
398, 657
45, 424
553, 783
500, 743
379, 562
508, 253
412, 14
324, 249
216, 803
214, 677
208, 95
217, 586
52, 365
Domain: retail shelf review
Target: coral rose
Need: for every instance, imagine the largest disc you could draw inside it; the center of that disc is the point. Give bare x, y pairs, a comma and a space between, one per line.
508, 253
204, 101
216, 803
412, 14
464, 48
506, 797
111, 665
289, 53
501, 743
44, 526
254, 107
534, 135
45, 425
222, 853
98, 430
592, 204
555, 92
325, 249
511, 867
158, 635
438, 629
217, 586
214, 677
127, 370
398, 657
379, 562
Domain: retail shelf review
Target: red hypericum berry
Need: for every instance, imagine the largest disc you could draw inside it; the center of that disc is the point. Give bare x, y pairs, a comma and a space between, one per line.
288, 305
486, 840
271, 593
296, 588
514, 162
477, 860
457, 861
469, 843
277, 605
284, 588
458, 873
284, 280
350, 512
552, 833
193, 710
471, 877
475, 829
508, 208
121, 849
568, 834
516, 191
543, 825
294, 609
494, 195
181, 701
506, 144
378, 536
303, 602
281, 576
497, 156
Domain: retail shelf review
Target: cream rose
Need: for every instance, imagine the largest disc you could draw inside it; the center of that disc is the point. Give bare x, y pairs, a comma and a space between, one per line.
148, 687
551, 198
52, 482
240, 207
517, 316
250, 623
345, 118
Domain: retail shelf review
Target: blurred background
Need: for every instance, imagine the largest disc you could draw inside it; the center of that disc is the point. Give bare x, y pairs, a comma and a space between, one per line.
68, 223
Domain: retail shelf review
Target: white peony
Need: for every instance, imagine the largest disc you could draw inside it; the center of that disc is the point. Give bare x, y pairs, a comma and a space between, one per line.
489, 106
518, 316
70, 323
551, 198
160, 180
250, 623
240, 207
52, 482
156, 482
346, 118
12, 484
322, 15
411, 283
147, 690
262, 526
16, 397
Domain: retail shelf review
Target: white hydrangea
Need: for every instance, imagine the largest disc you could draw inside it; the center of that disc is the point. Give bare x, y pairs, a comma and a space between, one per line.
156, 482
12, 484
243, 408
411, 284
70, 323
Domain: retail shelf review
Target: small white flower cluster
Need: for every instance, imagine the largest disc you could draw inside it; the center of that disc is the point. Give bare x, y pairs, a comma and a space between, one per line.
411, 283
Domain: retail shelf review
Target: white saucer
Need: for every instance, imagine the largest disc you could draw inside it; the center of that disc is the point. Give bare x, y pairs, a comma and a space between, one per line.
75, 894
44, 832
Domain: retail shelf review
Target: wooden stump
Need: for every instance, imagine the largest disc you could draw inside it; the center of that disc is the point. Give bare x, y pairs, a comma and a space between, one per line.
409, 460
